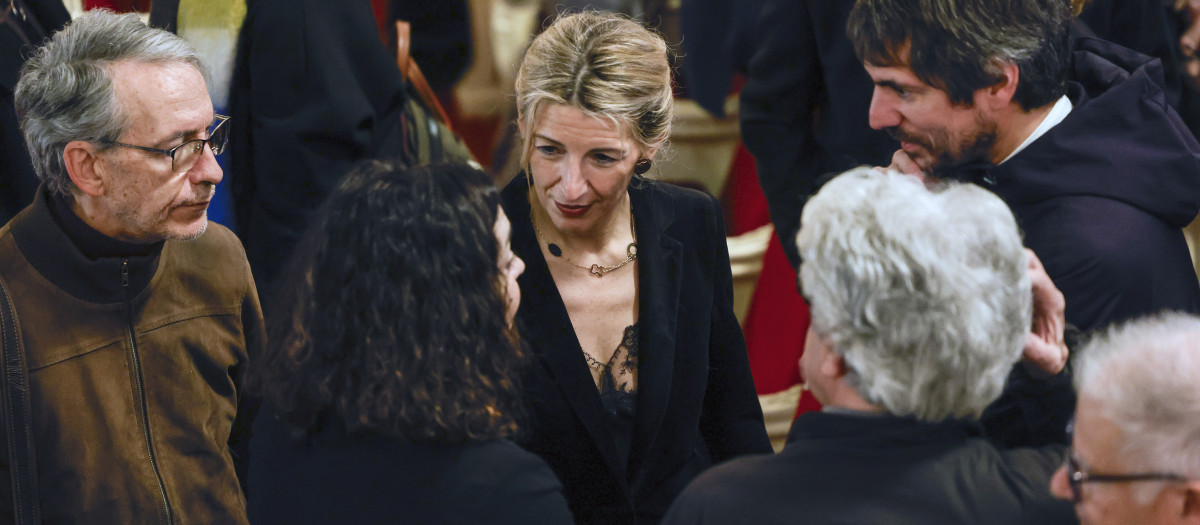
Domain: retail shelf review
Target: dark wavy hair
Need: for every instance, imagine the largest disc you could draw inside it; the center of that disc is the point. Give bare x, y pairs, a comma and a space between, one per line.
391, 318
955, 45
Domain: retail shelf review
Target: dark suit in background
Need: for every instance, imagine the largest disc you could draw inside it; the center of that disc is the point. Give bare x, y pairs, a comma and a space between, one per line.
719, 42
804, 107
696, 404
314, 91
22, 27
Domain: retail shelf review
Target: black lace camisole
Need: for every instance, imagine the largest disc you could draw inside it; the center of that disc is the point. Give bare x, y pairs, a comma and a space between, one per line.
618, 388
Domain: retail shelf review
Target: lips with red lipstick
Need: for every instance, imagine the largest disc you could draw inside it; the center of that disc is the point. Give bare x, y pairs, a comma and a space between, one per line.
572, 211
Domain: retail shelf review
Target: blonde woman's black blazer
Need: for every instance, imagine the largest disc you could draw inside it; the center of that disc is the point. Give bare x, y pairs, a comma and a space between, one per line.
696, 402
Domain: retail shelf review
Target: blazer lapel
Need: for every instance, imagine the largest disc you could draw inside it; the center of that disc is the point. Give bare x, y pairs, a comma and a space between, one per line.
659, 274
549, 323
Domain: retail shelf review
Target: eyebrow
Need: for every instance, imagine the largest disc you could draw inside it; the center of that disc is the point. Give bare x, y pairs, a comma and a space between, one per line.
619, 152
183, 134
895, 86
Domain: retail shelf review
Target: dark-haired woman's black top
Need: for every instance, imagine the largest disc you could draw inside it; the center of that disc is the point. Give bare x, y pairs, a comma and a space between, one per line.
361, 478
695, 405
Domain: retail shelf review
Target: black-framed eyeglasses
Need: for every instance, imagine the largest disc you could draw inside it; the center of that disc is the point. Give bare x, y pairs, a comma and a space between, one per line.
1077, 476
185, 155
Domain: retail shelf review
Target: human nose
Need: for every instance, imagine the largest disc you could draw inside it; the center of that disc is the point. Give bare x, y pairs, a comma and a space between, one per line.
206, 170
1060, 487
574, 185
882, 114
518, 266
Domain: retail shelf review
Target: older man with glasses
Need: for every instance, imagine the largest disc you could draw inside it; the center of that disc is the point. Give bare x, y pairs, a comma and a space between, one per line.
1135, 456
135, 317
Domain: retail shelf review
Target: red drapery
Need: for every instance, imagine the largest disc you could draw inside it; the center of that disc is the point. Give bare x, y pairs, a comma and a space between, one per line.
120, 6
778, 317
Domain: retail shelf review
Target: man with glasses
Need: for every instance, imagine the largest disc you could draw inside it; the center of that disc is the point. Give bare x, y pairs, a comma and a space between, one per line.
137, 316
1135, 456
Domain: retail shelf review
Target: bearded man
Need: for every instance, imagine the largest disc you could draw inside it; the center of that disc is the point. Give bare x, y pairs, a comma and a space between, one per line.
1081, 144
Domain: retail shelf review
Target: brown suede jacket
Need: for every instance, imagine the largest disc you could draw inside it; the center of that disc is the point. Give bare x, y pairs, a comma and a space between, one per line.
135, 373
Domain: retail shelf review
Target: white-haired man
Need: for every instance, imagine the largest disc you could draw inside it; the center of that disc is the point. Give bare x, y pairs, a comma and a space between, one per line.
921, 304
137, 316
1135, 456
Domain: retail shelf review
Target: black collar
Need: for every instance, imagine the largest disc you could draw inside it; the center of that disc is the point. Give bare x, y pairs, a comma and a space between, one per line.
847, 429
44, 240
91, 242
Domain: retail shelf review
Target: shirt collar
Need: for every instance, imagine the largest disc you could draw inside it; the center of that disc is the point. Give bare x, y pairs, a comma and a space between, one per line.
1057, 113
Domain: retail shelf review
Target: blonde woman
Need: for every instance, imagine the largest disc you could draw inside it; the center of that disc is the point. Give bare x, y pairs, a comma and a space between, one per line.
639, 379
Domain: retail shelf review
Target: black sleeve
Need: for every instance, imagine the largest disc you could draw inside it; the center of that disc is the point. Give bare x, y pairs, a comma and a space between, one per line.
732, 420
1034, 411
777, 105
804, 109
314, 91
18, 36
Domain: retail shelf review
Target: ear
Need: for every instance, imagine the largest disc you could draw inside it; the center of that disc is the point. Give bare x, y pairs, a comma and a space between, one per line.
650, 154
85, 167
999, 95
833, 365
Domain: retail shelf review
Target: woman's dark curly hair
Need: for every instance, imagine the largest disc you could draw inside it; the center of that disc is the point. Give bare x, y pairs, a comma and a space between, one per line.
392, 317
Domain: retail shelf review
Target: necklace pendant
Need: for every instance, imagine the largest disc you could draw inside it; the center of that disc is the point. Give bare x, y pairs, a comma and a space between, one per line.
598, 271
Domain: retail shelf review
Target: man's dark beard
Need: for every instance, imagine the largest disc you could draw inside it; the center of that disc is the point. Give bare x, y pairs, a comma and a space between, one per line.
950, 167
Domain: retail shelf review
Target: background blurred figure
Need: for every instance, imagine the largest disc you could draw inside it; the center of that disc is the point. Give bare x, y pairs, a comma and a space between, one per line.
920, 306
317, 91
1142, 26
23, 26
1136, 448
441, 40
639, 379
804, 107
389, 377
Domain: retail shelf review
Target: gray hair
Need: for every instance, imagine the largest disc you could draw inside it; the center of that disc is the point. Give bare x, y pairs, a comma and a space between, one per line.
923, 292
66, 90
1144, 374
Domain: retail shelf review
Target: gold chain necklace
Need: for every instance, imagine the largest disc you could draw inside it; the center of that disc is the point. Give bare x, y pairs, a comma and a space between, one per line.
599, 270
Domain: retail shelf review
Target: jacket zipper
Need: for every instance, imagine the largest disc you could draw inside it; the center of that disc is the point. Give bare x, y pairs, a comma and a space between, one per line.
141, 391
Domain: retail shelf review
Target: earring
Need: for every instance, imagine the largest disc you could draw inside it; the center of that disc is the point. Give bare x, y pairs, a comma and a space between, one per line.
642, 166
